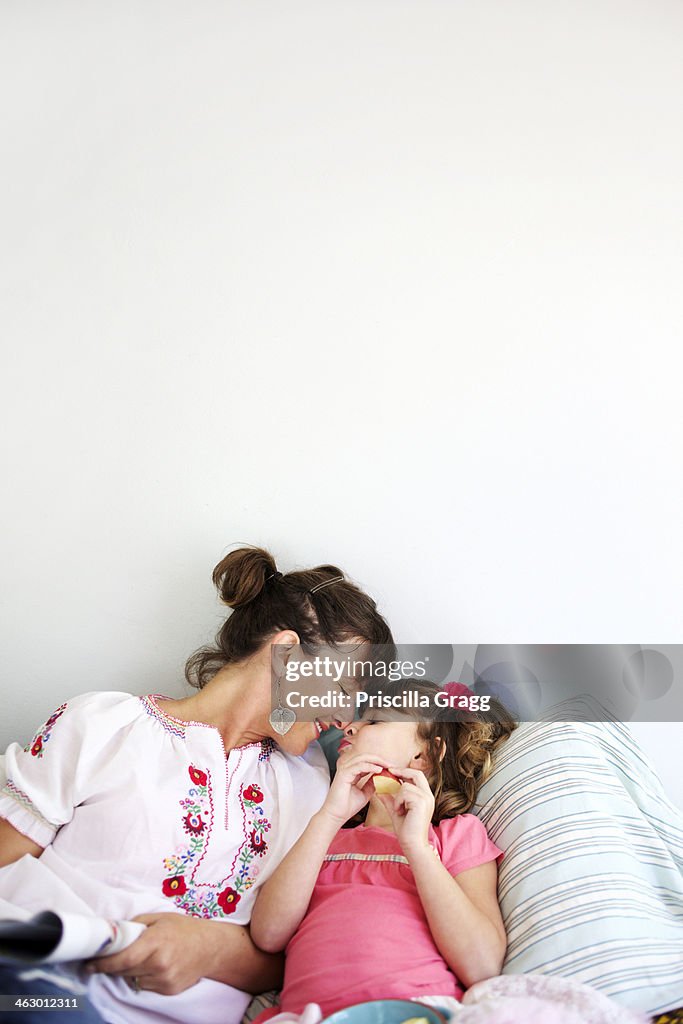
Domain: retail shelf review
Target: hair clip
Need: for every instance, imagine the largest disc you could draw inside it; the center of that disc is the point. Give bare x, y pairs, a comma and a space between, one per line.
274, 575
335, 579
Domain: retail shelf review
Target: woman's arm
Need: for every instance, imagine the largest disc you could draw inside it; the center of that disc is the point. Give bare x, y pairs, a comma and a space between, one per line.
283, 899
14, 845
175, 951
463, 915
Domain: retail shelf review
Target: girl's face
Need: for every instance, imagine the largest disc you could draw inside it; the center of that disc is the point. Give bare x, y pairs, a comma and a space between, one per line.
396, 741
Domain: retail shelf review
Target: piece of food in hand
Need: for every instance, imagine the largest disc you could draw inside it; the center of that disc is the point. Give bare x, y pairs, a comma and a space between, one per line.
385, 782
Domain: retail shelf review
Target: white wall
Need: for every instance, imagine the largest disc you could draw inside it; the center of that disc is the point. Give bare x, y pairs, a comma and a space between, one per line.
390, 284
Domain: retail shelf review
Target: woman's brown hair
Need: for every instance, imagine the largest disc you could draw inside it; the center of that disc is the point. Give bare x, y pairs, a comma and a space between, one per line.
265, 601
471, 737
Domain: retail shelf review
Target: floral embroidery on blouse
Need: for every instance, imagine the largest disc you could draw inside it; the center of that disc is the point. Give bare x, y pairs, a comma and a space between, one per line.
178, 727
194, 824
253, 793
206, 900
37, 746
267, 747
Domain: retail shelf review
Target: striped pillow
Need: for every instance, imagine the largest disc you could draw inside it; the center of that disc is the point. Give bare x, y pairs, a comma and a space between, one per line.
591, 886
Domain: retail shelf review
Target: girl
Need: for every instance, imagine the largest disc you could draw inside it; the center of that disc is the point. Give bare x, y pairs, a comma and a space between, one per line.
173, 811
403, 904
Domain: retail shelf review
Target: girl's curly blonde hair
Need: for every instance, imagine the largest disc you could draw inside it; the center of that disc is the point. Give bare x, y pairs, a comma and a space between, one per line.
470, 739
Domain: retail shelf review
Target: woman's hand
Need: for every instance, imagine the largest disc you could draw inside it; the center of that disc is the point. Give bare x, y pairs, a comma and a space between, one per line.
175, 952
169, 956
165, 958
410, 809
352, 786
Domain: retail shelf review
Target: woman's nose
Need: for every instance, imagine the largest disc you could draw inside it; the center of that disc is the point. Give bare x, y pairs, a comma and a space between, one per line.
351, 728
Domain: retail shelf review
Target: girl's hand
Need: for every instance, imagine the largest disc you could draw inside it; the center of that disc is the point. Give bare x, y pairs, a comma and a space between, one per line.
352, 786
411, 809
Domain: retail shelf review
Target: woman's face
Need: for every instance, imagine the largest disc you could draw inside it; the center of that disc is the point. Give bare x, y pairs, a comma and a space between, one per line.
302, 734
397, 742
299, 690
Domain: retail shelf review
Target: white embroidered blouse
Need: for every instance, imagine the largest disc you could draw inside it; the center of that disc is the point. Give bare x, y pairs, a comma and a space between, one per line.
143, 813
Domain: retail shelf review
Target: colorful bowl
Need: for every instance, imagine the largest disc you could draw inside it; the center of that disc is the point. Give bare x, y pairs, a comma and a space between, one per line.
385, 1011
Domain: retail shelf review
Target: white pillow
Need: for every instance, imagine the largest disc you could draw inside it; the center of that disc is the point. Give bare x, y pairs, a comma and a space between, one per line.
591, 886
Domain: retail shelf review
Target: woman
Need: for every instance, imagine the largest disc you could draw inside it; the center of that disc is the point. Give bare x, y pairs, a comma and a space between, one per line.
174, 811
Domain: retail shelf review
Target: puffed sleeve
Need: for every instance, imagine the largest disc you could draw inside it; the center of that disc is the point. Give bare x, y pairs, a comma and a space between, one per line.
43, 782
463, 843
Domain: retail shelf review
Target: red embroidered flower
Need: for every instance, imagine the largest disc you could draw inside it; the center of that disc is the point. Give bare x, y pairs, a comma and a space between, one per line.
228, 900
194, 823
253, 793
37, 746
174, 886
258, 843
199, 778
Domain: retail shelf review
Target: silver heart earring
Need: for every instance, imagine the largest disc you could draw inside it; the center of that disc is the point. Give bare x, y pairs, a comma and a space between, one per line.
281, 719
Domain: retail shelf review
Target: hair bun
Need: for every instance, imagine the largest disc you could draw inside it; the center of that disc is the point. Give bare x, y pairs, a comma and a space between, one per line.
241, 575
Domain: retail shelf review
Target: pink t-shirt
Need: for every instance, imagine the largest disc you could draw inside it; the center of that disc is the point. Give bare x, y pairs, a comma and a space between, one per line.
365, 934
